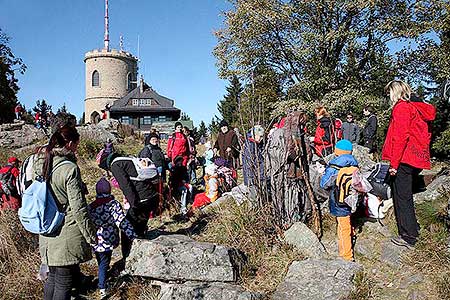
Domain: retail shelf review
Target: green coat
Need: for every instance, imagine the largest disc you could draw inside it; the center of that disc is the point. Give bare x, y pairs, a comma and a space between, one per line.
72, 244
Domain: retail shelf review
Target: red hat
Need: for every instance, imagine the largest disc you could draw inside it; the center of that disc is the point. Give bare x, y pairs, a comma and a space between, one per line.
13, 159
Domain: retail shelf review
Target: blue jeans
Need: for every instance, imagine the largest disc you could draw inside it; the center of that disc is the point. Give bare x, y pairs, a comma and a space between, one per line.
186, 194
103, 260
60, 282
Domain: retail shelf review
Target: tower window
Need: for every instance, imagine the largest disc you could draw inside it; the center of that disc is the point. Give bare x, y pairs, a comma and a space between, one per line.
95, 78
130, 83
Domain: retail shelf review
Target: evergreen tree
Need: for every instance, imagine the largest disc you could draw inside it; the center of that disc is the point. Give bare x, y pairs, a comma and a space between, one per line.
213, 127
62, 109
229, 105
184, 117
9, 65
42, 107
202, 130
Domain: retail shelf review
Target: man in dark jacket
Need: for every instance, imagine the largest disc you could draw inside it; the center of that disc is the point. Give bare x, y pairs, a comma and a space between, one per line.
227, 143
350, 130
370, 130
141, 195
153, 152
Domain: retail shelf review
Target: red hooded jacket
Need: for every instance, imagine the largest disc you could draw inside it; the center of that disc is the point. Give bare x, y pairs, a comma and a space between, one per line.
177, 145
324, 137
408, 137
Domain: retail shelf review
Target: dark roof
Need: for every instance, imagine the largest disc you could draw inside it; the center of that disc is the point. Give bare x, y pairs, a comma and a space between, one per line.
161, 103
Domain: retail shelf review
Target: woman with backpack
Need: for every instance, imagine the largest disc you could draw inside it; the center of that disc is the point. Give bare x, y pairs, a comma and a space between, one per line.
324, 138
407, 148
64, 250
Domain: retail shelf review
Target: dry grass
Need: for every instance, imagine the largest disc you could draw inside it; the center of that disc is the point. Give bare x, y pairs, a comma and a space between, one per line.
19, 260
432, 257
363, 287
251, 231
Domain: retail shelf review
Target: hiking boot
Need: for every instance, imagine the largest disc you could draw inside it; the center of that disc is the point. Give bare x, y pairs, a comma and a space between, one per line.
399, 241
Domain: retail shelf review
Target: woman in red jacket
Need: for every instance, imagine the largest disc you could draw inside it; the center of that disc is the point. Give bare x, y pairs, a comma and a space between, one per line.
177, 145
407, 148
324, 137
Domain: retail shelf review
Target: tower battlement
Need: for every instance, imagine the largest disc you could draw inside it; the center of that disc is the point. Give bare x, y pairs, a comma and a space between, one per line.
114, 53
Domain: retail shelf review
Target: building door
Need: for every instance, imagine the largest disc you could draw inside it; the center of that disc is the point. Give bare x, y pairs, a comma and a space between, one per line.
95, 118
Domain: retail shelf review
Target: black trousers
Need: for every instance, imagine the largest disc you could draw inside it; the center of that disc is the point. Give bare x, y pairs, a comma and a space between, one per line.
138, 217
402, 192
61, 281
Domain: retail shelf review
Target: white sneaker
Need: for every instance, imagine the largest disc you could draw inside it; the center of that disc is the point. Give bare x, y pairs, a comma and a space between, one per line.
103, 293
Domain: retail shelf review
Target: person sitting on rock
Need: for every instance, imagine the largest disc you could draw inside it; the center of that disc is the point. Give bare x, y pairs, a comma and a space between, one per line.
108, 216
211, 191
9, 196
342, 165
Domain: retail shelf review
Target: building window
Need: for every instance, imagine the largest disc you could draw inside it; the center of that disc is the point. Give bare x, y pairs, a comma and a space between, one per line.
162, 118
135, 102
130, 82
145, 102
147, 120
95, 78
125, 120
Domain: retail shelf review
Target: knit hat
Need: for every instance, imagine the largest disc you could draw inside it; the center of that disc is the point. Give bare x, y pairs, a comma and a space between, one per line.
223, 123
103, 186
343, 147
153, 135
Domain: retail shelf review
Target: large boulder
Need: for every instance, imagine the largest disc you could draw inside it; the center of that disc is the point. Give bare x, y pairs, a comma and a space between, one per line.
19, 135
318, 279
178, 257
205, 291
435, 188
95, 133
304, 240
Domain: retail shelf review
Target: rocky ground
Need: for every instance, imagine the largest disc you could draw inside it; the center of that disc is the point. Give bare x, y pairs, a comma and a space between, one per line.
231, 251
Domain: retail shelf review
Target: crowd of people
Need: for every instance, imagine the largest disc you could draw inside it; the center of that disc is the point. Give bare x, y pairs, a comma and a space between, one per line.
155, 176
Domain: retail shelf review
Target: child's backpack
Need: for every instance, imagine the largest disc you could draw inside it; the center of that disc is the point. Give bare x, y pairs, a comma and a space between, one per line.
145, 168
344, 184
7, 182
39, 213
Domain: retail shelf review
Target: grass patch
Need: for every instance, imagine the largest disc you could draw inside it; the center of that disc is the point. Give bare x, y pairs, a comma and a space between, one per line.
363, 287
251, 231
432, 255
19, 260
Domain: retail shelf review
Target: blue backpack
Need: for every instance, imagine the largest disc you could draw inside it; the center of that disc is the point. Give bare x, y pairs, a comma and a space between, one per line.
39, 213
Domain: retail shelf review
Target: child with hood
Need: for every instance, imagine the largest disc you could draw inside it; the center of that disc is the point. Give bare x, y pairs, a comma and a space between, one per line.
209, 154
211, 191
342, 212
108, 216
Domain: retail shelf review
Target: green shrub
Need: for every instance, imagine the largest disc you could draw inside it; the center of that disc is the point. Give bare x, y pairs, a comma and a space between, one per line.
441, 146
89, 148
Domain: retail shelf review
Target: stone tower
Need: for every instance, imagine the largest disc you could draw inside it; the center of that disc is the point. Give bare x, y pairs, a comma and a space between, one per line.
110, 75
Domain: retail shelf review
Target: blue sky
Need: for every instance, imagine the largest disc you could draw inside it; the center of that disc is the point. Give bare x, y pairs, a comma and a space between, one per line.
176, 43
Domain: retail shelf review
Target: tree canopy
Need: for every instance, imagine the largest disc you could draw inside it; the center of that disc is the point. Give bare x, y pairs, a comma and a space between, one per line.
319, 47
9, 67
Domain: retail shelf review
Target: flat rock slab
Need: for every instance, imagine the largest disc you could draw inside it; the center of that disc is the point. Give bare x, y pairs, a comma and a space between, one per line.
180, 258
318, 279
304, 240
392, 254
205, 291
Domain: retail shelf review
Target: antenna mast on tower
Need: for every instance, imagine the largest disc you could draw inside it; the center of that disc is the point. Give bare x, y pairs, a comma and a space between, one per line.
106, 40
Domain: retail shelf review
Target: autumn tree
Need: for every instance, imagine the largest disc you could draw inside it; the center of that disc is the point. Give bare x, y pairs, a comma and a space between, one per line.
321, 49
10, 66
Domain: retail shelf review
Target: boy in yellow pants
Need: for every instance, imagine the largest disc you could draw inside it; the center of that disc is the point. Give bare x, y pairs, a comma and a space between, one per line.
337, 178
